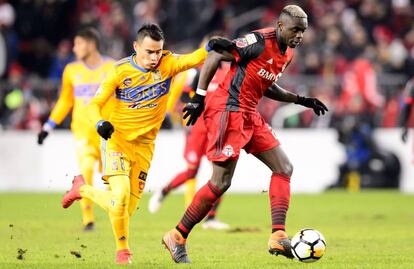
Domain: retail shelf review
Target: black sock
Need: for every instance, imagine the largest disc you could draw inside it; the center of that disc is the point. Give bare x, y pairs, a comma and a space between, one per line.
185, 235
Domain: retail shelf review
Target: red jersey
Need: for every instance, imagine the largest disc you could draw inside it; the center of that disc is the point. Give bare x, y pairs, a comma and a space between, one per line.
214, 83
259, 63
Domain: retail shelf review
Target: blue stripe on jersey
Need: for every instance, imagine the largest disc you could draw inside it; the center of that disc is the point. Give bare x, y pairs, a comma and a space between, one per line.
131, 60
86, 90
145, 92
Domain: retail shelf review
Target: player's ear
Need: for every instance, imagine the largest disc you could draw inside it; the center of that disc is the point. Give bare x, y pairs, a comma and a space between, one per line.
136, 46
280, 25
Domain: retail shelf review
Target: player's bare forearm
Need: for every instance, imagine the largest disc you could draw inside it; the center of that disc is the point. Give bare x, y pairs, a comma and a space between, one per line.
210, 67
277, 93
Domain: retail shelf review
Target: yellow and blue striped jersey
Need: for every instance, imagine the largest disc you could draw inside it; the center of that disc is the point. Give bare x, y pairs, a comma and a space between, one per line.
141, 95
79, 84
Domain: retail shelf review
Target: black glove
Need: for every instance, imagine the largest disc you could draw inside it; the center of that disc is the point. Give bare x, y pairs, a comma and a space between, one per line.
193, 109
404, 135
318, 107
42, 136
105, 129
220, 43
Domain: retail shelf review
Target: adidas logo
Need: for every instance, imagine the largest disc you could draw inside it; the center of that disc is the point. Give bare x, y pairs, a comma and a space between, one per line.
270, 61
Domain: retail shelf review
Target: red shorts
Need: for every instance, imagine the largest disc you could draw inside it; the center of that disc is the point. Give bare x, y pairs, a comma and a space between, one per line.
229, 132
196, 142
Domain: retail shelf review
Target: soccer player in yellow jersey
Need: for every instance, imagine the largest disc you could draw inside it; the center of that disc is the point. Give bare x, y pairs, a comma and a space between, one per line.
141, 84
80, 81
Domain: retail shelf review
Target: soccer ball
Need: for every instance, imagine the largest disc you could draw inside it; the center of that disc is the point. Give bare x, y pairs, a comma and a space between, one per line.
308, 245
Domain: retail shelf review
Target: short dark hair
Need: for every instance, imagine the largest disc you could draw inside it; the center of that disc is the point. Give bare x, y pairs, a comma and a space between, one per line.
152, 30
90, 34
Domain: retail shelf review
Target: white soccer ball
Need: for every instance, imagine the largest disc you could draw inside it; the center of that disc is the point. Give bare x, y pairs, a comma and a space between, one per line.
308, 245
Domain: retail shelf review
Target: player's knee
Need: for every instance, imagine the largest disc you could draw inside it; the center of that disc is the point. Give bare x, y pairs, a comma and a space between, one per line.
119, 204
223, 183
287, 169
191, 172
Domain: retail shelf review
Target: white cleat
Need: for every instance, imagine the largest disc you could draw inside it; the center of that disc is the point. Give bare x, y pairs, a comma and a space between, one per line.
155, 202
215, 224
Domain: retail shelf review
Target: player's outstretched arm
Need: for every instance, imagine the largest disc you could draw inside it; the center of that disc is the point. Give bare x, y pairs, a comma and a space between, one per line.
195, 106
63, 106
277, 93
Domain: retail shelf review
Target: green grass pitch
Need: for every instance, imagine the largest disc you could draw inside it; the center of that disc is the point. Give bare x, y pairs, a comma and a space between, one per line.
371, 229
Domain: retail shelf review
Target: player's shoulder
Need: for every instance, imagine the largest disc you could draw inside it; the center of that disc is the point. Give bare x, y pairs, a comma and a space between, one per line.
266, 33
122, 62
166, 53
74, 64
108, 60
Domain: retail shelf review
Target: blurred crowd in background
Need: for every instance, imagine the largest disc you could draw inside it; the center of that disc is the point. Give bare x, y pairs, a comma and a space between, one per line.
356, 55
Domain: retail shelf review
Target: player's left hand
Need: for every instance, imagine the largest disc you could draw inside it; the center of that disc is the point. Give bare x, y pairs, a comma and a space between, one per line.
193, 109
318, 107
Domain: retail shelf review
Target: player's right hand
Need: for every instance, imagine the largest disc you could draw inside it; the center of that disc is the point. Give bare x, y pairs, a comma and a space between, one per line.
404, 135
105, 129
193, 109
41, 136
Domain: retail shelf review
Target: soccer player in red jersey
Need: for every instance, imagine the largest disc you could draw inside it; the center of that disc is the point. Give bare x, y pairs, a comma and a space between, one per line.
195, 149
407, 109
258, 60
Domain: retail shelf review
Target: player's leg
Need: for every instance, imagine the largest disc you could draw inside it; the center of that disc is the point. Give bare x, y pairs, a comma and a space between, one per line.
195, 144
203, 201
158, 197
265, 146
138, 176
189, 192
87, 151
116, 201
86, 204
279, 194
118, 214
229, 138
279, 189
211, 221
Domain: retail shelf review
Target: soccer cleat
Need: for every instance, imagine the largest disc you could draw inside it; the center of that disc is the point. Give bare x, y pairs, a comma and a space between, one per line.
175, 243
155, 202
90, 227
215, 224
279, 244
123, 256
73, 194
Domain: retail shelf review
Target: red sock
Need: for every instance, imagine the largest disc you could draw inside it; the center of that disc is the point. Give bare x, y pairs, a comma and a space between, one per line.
213, 211
179, 179
202, 202
279, 194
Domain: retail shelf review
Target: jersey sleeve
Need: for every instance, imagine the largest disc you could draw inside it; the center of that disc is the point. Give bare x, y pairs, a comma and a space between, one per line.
66, 99
104, 92
248, 47
179, 63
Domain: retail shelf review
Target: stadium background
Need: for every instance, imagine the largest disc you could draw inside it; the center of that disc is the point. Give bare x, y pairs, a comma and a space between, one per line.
356, 56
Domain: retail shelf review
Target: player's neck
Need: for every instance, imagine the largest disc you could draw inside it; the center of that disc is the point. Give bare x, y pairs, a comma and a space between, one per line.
282, 46
134, 58
93, 60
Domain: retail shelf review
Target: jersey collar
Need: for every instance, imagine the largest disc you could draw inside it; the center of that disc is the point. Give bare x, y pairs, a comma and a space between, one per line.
131, 60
